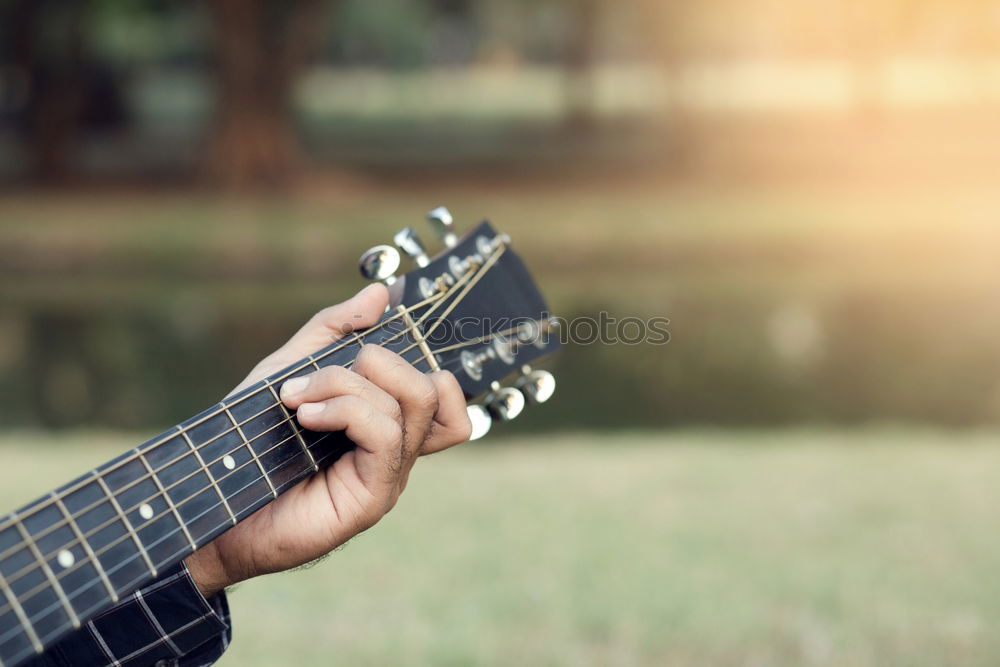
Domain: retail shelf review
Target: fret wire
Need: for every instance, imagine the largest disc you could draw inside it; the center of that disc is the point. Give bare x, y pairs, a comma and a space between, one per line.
26, 624
313, 362
86, 547
211, 478
289, 372
359, 339
124, 519
169, 501
56, 586
267, 385
296, 430
253, 454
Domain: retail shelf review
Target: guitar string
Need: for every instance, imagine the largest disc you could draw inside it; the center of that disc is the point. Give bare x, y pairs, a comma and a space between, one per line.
13, 517
75, 593
479, 273
173, 434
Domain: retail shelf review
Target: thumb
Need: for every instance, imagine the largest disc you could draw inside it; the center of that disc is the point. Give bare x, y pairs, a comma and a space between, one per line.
331, 324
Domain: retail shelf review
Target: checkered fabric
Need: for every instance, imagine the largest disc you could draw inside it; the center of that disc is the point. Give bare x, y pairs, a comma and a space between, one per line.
167, 623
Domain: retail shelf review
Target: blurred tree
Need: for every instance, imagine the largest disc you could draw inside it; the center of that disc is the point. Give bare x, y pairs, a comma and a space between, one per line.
45, 46
261, 47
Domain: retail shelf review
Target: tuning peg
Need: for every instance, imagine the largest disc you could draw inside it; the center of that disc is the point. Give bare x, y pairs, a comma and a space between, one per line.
443, 224
505, 403
537, 386
408, 241
481, 421
380, 263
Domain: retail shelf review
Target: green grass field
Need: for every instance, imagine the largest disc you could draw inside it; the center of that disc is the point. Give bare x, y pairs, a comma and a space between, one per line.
805, 547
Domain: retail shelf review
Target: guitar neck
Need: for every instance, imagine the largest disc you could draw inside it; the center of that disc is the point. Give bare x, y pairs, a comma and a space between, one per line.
75, 552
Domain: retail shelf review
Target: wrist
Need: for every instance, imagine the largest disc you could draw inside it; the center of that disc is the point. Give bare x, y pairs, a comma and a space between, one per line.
207, 570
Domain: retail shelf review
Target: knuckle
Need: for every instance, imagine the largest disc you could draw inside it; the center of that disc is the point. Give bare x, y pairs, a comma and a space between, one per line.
371, 353
350, 381
324, 318
448, 384
364, 357
335, 380
448, 379
365, 411
324, 313
364, 353
425, 395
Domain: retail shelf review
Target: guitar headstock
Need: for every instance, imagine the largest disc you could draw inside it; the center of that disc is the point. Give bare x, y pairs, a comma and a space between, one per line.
472, 309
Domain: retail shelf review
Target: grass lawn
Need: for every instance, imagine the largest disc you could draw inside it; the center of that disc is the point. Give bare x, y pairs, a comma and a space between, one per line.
806, 547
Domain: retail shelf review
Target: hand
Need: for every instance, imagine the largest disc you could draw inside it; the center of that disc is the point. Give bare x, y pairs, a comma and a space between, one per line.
391, 411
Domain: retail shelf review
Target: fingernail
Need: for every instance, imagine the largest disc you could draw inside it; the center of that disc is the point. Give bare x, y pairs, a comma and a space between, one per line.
294, 386
311, 408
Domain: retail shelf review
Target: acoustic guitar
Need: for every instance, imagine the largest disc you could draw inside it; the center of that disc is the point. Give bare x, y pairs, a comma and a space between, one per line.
66, 557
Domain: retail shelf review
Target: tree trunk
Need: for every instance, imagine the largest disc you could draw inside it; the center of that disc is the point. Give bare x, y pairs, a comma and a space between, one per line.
261, 48
580, 60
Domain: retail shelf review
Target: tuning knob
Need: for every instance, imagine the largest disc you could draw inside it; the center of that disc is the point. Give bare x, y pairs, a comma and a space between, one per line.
380, 263
408, 241
505, 404
481, 421
537, 386
443, 224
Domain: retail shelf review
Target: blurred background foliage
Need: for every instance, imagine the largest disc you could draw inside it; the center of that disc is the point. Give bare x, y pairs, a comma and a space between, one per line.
807, 191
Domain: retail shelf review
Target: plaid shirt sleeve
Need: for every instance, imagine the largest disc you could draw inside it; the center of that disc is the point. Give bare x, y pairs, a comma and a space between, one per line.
167, 623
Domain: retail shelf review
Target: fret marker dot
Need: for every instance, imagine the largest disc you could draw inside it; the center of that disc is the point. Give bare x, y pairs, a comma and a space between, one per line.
145, 511
65, 558
229, 462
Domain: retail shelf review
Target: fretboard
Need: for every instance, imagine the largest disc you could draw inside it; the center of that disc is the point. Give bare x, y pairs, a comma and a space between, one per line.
75, 552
